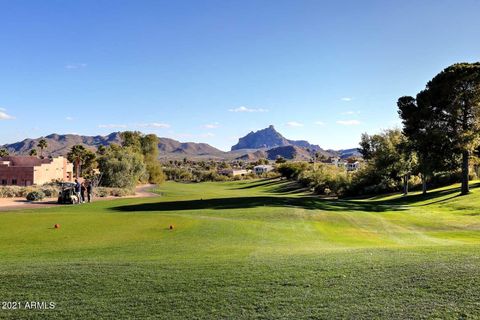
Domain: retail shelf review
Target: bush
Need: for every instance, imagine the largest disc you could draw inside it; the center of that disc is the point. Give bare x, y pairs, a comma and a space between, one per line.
22, 192
292, 170
326, 180
50, 192
102, 192
35, 196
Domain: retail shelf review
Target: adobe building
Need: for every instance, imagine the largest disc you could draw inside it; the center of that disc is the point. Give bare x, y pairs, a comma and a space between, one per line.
27, 171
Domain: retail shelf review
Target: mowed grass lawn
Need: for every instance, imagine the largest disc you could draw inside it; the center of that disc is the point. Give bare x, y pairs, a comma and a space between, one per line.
246, 250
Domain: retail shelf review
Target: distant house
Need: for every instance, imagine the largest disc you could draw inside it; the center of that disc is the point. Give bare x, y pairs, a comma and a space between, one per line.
234, 172
26, 171
352, 165
337, 162
261, 169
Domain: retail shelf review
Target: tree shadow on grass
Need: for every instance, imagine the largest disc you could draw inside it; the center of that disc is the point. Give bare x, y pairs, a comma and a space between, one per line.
261, 183
276, 185
307, 202
437, 196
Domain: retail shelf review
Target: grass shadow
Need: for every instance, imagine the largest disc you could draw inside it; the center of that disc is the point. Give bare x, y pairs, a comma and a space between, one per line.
261, 183
306, 202
432, 195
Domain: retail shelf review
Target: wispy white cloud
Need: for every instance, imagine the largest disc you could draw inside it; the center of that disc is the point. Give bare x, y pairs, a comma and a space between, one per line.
69, 118
319, 123
74, 66
207, 135
158, 125
294, 124
113, 126
4, 115
349, 122
350, 112
347, 99
246, 109
214, 125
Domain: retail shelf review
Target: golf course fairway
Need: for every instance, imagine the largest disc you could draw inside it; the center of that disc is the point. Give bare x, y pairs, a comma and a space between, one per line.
243, 250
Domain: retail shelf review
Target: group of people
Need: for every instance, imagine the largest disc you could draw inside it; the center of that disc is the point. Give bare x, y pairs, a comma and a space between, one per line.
82, 188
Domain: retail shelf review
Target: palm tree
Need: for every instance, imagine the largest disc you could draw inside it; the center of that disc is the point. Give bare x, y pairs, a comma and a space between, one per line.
33, 152
42, 144
76, 156
3, 153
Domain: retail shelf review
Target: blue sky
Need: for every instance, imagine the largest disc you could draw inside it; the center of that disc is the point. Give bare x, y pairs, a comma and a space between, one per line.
212, 71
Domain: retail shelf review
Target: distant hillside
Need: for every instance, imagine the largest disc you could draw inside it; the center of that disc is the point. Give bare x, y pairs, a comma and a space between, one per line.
263, 144
347, 153
269, 138
289, 152
61, 144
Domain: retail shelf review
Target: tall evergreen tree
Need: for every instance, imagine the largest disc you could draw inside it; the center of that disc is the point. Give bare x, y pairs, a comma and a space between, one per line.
445, 118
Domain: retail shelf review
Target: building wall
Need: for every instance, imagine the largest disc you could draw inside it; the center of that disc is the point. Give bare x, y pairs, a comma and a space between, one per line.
31, 170
22, 175
57, 169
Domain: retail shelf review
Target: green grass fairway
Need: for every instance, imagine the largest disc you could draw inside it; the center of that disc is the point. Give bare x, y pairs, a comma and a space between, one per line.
246, 250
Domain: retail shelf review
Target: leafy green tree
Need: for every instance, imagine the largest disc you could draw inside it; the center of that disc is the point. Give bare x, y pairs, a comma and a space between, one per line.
42, 144
33, 153
280, 160
149, 146
132, 140
101, 150
4, 153
292, 170
387, 155
122, 167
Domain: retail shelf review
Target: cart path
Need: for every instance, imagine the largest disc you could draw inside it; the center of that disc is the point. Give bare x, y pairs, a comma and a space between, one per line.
8, 204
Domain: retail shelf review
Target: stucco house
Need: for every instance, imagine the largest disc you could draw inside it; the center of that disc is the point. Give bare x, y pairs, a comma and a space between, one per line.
261, 169
26, 170
352, 165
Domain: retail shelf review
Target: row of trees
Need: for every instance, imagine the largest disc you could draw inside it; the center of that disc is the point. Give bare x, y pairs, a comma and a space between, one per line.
438, 144
442, 123
121, 166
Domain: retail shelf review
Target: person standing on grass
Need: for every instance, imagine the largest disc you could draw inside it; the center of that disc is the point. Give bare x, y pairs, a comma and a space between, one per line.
90, 191
82, 190
78, 189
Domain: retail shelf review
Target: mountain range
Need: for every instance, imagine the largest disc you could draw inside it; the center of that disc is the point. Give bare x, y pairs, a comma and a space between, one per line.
266, 143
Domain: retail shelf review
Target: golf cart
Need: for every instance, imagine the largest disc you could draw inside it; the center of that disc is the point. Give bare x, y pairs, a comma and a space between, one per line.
67, 193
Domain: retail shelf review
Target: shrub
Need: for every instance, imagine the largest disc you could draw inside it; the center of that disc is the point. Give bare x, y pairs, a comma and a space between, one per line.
292, 170
35, 196
50, 192
326, 179
100, 192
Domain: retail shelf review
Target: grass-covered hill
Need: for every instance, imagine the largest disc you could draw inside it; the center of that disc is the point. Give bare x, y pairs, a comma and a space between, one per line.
258, 249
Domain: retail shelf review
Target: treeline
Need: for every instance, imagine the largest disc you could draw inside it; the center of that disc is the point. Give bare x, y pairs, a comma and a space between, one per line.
439, 143
203, 171
120, 166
